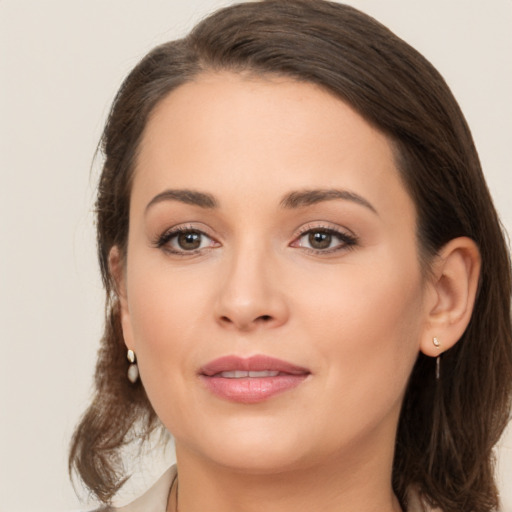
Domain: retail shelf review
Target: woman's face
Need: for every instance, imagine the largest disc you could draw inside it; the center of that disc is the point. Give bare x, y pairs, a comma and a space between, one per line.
270, 233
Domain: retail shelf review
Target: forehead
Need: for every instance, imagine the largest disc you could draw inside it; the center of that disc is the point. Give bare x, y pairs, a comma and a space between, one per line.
262, 135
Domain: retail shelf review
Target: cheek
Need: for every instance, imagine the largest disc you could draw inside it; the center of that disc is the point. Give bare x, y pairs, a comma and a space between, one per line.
366, 332
368, 325
164, 316
160, 302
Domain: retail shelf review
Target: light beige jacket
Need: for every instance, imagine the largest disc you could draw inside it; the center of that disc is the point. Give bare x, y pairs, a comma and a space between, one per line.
155, 499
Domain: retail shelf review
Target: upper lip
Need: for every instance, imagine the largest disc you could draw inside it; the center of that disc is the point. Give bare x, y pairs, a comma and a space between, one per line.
255, 363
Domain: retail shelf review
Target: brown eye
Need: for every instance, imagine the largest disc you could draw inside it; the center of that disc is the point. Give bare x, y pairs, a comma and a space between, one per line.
189, 241
320, 239
185, 241
325, 241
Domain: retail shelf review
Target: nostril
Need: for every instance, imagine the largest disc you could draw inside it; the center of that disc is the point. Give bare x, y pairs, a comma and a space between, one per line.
246, 323
262, 318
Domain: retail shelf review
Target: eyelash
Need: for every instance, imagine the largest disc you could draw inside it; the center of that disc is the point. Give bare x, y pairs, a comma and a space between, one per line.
347, 241
163, 240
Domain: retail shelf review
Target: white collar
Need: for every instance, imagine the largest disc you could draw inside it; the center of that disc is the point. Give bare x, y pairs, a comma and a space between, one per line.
155, 498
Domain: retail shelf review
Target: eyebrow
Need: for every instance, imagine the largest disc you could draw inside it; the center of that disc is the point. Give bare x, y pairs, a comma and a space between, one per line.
292, 200
192, 197
304, 198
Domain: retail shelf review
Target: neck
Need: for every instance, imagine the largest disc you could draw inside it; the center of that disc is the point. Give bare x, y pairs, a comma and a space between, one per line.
344, 484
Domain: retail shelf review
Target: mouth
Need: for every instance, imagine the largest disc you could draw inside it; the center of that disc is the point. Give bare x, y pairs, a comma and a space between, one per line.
251, 380
241, 374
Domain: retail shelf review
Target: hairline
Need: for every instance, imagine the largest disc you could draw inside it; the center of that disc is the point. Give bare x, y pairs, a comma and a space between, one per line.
250, 73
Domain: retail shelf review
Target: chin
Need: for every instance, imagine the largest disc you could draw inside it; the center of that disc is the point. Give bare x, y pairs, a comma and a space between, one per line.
260, 461
250, 449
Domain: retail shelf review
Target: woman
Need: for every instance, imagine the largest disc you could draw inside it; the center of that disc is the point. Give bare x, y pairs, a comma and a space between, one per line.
307, 284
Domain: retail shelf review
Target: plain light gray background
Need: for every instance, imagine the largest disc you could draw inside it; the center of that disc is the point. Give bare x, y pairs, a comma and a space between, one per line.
61, 62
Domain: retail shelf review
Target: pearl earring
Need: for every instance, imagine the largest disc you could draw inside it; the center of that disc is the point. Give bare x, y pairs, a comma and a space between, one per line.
133, 369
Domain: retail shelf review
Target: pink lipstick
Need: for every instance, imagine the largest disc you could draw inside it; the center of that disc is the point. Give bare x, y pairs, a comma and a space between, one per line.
250, 380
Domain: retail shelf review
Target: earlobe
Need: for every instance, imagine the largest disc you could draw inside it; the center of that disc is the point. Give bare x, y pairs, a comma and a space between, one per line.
454, 285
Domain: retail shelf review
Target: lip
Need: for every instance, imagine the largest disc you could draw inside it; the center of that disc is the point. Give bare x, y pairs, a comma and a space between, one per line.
251, 389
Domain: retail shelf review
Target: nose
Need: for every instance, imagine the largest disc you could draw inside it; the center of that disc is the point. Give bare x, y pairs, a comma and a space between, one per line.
250, 294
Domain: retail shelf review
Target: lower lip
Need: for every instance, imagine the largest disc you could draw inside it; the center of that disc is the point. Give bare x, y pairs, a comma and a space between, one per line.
251, 390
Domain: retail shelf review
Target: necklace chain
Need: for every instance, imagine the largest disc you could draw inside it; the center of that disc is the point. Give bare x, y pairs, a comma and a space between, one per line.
173, 490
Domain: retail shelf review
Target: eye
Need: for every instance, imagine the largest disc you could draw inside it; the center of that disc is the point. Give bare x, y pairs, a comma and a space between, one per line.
320, 239
190, 241
184, 241
324, 240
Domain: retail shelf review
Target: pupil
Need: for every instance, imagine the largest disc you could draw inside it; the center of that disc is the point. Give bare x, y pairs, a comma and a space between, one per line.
189, 241
320, 239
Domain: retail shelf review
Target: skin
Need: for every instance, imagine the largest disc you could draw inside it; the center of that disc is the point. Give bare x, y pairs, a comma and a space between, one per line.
355, 314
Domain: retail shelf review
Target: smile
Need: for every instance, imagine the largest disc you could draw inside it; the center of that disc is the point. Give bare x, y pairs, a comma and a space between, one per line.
251, 380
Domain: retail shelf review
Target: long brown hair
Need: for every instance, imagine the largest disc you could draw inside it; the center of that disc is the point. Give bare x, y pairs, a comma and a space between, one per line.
447, 428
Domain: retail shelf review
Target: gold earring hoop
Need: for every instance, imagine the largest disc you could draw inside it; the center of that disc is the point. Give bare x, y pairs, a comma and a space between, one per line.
133, 369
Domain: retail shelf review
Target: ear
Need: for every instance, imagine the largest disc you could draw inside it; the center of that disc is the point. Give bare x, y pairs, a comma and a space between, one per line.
118, 272
454, 284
